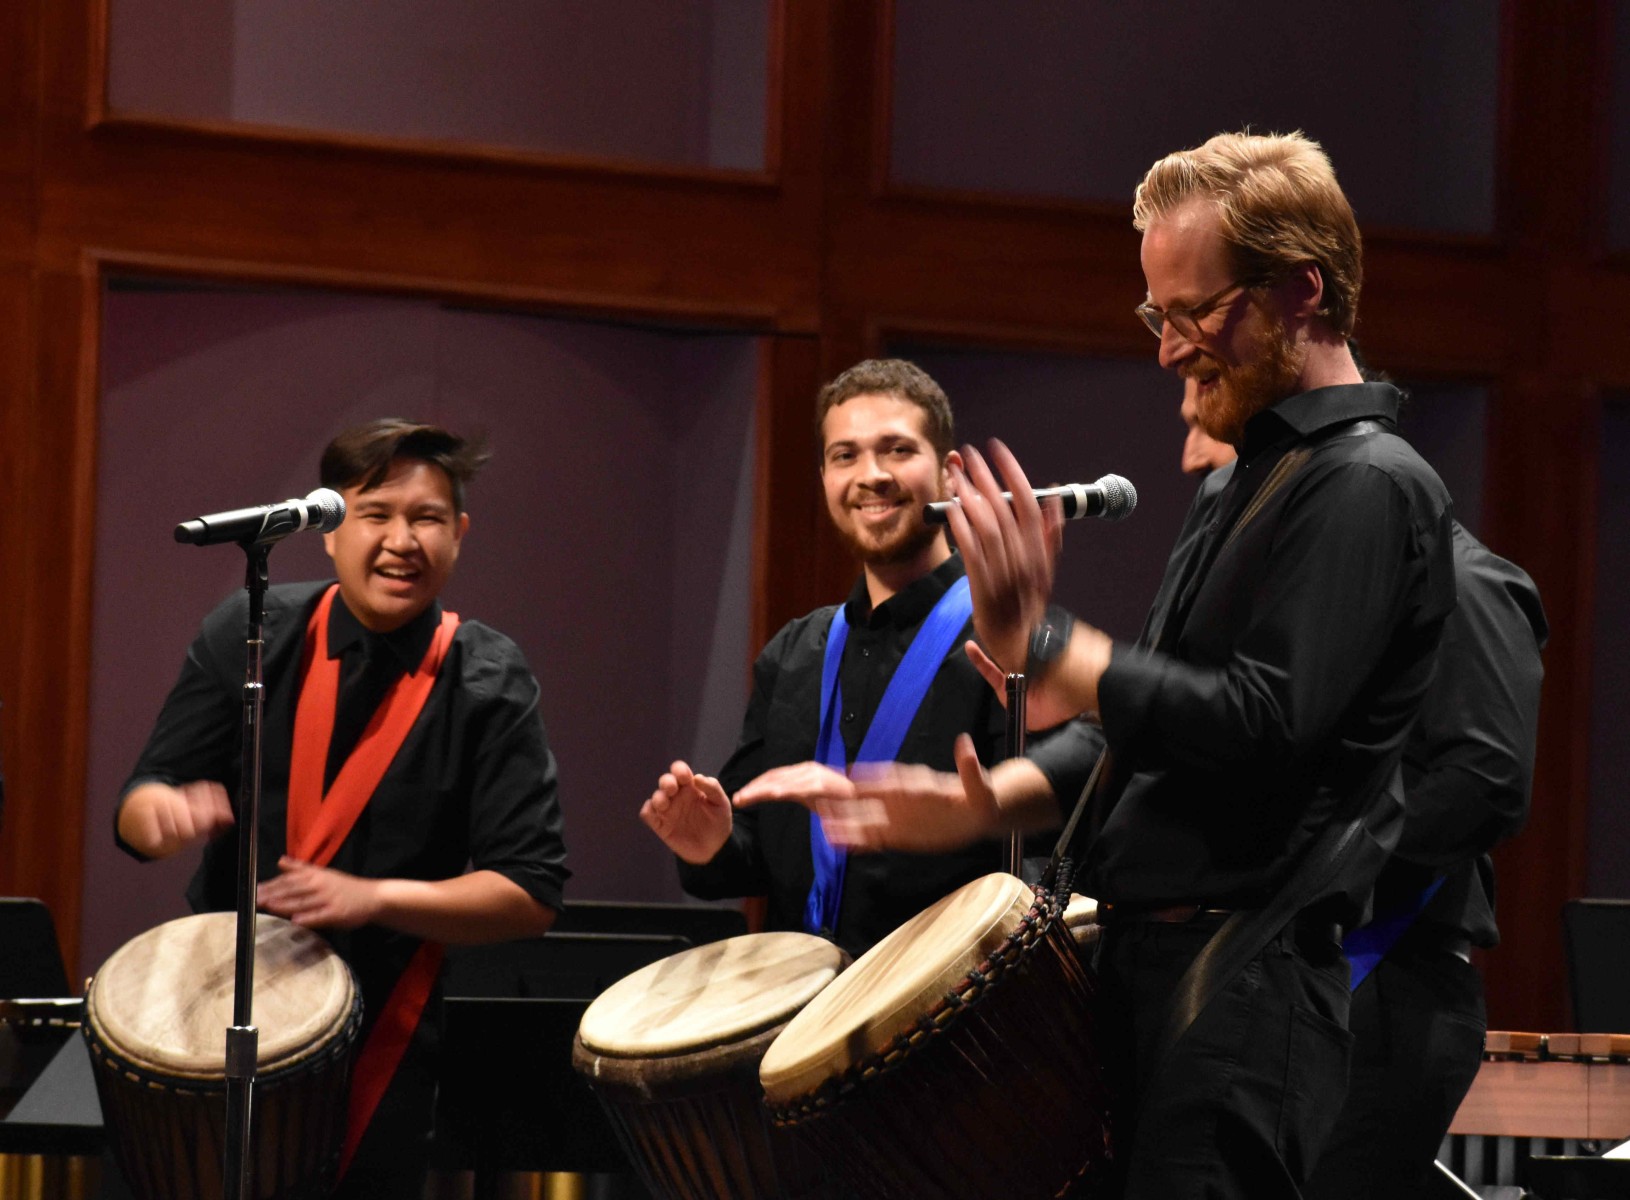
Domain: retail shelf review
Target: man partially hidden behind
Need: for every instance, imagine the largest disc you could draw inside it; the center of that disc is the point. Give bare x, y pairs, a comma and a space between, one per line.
1262, 713
820, 686
1417, 1015
457, 840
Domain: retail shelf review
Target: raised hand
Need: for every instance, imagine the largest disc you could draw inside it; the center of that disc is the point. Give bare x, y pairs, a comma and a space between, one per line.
690, 813
160, 820
1009, 551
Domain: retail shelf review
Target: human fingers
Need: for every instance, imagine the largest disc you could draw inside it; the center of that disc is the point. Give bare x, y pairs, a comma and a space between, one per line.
801, 783
859, 825
1031, 549
988, 515
207, 807
682, 773
711, 790
162, 824
987, 668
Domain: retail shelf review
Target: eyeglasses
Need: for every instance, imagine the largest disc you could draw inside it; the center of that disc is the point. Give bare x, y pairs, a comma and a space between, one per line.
1186, 320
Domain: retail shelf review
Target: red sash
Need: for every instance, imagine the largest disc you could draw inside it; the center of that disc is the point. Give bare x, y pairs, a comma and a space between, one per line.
319, 824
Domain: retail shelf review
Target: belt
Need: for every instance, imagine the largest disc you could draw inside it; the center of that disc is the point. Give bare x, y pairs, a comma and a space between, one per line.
1310, 924
1111, 915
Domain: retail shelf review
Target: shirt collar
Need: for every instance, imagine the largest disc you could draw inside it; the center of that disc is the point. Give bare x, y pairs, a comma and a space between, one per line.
1307, 414
406, 645
910, 605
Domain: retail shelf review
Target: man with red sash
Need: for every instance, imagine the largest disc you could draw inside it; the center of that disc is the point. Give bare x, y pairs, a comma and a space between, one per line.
881, 677
408, 792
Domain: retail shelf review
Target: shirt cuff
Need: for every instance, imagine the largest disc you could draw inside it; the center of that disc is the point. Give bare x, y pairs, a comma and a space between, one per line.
1126, 692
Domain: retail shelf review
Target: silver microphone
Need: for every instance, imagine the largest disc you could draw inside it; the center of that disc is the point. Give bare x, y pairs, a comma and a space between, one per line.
323, 511
1112, 498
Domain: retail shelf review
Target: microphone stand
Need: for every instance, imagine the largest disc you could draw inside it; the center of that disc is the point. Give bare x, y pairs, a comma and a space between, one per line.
1016, 692
242, 1038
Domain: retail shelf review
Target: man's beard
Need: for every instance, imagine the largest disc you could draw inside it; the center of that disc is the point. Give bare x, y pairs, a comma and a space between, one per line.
1241, 392
913, 536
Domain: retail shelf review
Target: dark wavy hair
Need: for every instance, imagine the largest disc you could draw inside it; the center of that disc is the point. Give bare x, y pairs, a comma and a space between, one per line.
891, 377
363, 454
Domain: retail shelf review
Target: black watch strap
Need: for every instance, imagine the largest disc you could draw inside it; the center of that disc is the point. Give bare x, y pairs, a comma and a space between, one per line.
1047, 641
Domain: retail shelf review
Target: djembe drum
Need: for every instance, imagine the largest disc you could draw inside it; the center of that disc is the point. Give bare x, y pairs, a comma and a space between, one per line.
955, 1058
155, 1020
672, 1051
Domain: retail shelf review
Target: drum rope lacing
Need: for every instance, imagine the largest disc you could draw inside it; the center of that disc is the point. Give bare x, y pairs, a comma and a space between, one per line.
1011, 956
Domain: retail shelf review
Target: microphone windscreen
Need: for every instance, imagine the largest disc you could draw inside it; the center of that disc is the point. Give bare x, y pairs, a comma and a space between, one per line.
327, 510
1120, 497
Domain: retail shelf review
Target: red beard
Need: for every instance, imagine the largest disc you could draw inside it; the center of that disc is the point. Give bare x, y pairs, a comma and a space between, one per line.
1240, 392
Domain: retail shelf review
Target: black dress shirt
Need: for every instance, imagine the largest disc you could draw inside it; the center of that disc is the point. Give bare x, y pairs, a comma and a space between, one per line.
473, 784
1469, 762
1287, 653
768, 851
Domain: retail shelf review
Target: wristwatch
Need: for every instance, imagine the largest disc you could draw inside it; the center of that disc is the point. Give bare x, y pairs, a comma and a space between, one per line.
1047, 641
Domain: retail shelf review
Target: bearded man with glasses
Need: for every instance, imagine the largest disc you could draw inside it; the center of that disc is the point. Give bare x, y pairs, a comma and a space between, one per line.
1250, 791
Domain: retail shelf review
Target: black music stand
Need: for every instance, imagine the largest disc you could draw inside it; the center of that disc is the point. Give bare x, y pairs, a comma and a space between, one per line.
1597, 932
30, 969
30, 957
1568, 1177
697, 924
508, 1098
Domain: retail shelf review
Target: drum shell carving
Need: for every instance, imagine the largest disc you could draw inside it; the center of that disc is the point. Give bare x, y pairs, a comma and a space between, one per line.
168, 1130
999, 1095
692, 1118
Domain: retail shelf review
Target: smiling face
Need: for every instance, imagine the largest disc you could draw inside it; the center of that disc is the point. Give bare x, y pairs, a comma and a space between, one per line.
396, 548
1244, 360
878, 469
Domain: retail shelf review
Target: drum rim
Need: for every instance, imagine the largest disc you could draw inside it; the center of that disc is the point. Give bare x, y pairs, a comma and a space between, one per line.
336, 1043
1043, 920
773, 1022
348, 1012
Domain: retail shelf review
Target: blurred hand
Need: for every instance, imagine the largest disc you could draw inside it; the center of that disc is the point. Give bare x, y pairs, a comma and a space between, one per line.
891, 806
319, 897
160, 820
1009, 550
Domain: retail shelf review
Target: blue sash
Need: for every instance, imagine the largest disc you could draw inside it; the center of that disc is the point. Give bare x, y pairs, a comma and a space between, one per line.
901, 699
1367, 945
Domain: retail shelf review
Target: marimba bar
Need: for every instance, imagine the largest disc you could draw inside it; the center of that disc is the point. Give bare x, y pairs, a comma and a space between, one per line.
1538, 1094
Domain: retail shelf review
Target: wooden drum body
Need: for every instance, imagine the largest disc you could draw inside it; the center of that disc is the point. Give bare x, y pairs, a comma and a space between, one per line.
955, 1058
155, 1020
673, 1050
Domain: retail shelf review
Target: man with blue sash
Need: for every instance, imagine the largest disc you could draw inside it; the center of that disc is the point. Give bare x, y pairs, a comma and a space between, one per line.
880, 678
1417, 1015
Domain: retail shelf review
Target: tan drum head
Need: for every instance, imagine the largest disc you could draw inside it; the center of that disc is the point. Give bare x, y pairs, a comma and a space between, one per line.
710, 995
893, 984
164, 999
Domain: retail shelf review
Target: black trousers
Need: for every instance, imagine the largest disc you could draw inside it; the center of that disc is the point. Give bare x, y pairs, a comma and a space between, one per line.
393, 1158
1418, 1020
1243, 1105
